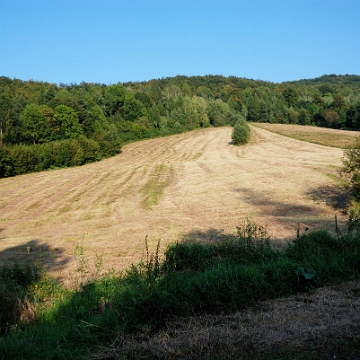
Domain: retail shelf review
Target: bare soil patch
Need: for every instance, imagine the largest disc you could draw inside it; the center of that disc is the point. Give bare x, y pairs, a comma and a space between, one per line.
190, 185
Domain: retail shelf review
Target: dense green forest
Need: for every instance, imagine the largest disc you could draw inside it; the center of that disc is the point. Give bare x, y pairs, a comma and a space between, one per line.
44, 125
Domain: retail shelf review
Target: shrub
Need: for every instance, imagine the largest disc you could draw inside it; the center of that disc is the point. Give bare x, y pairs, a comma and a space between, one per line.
241, 133
351, 166
219, 120
25, 159
91, 149
5, 167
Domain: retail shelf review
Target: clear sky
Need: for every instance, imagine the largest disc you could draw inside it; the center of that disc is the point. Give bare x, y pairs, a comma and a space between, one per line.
110, 41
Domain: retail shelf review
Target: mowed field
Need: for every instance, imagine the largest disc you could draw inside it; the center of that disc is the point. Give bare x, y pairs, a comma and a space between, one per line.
195, 185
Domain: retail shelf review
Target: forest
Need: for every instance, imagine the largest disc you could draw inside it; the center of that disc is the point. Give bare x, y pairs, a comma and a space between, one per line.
45, 126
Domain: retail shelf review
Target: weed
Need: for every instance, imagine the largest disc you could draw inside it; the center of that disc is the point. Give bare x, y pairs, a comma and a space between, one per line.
99, 262
83, 268
354, 220
15, 281
187, 256
152, 265
252, 232
252, 245
306, 277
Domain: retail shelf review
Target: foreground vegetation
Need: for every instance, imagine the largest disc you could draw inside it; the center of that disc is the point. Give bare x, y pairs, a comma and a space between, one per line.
42, 320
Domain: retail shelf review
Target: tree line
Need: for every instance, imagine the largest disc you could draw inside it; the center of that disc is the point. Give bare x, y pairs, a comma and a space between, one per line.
44, 125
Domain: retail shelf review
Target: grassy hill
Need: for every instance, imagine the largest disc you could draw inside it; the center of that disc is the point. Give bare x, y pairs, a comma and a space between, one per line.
79, 229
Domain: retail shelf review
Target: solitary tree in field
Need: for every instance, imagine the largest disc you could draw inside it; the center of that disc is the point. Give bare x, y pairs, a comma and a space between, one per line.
241, 133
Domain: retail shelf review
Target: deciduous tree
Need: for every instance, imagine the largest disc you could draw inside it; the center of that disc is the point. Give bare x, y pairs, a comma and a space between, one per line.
68, 122
36, 127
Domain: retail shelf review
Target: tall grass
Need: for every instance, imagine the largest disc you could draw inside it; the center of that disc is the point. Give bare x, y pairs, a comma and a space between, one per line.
192, 279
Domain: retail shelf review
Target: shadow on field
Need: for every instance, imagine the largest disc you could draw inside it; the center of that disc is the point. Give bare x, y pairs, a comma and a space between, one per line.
307, 216
35, 251
209, 236
275, 208
20, 269
332, 196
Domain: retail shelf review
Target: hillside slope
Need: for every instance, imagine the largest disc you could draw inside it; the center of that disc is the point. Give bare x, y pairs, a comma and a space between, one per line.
191, 185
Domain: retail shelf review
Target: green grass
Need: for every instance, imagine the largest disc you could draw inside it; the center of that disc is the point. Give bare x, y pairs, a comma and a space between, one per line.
193, 279
153, 190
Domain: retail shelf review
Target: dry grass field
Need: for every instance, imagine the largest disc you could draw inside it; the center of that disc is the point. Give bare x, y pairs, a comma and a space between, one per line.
322, 136
195, 185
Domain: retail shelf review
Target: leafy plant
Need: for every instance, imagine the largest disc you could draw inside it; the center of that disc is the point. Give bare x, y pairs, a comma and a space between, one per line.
351, 166
15, 281
306, 277
307, 274
152, 265
354, 221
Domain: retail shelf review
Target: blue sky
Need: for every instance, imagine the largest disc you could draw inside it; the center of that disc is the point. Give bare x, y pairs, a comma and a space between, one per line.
110, 41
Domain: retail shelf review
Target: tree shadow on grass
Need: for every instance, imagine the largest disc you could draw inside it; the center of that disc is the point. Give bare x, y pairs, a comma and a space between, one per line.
35, 251
21, 267
207, 237
271, 207
334, 197
311, 215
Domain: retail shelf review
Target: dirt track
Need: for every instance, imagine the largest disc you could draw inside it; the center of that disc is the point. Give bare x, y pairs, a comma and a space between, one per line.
190, 185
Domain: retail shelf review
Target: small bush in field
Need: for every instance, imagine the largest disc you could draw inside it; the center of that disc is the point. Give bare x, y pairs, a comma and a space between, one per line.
351, 166
241, 133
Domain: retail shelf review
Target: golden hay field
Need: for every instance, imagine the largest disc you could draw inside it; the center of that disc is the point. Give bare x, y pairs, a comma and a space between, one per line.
195, 185
322, 136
